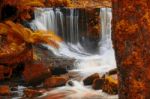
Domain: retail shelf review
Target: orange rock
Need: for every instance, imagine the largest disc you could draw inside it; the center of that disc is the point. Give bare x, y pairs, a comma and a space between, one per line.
65, 76
98, 83
113, 72
31, 93
4, 90
89, 80
35, 73
110, 85
55, 82
23, 55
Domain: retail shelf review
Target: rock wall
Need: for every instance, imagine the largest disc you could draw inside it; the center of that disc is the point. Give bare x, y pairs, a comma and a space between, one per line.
89, 23
131, 33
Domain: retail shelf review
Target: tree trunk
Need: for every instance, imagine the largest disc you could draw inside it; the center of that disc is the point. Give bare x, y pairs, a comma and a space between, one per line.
131, 38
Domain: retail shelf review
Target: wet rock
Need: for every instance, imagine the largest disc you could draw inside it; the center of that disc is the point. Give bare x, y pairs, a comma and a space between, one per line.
59, 65
30, 93
110, 85
112, 72
52, 61
4, 90
115, 77
89, 80
70, 83
35, 73
65, 76
63, 63
98, 83
59, 71
14, 89
55, 82
5, 72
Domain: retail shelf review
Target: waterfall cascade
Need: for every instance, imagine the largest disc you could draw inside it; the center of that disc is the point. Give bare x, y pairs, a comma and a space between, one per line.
93, 55
65, 22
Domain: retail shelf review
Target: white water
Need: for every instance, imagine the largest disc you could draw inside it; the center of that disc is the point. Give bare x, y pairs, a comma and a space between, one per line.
87, 63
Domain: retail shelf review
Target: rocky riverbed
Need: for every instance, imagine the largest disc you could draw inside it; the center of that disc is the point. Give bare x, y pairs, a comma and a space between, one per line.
52, 77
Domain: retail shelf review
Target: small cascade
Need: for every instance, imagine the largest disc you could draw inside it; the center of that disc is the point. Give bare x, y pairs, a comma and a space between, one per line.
106, 17
60, 22
72, 26
45, 19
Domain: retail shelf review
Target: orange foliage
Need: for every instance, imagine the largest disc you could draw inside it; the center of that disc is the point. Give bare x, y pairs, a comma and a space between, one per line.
24, 3
26, 35
14, 38
58, 3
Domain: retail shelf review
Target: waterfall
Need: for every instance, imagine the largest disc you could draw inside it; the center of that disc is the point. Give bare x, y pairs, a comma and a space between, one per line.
65, 23
60, 23
44, 20
72, 26
106, 17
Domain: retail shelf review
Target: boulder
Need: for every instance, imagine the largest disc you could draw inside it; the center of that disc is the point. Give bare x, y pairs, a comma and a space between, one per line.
98, 83
110, 85
35, 73
56, 63
89, 80
112, 71
20, 56
55, 82
59, 71
70, 83
4, 90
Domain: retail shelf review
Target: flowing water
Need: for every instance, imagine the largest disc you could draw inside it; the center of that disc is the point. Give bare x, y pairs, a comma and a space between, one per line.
92, 56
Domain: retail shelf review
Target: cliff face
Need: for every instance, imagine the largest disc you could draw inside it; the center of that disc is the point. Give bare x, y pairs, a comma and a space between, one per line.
131, 33
91, 18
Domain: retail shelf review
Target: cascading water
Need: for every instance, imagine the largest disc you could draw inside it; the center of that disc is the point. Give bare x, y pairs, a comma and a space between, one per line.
65, 22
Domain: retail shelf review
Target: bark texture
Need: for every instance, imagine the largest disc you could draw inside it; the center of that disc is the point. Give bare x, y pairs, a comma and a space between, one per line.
131, 37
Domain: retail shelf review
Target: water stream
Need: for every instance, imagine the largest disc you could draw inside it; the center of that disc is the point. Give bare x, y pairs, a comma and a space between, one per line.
91, 56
